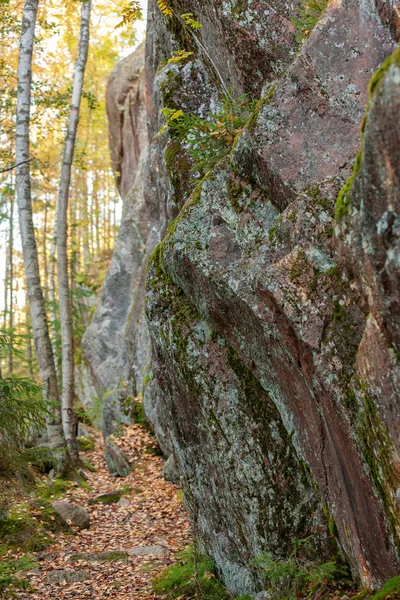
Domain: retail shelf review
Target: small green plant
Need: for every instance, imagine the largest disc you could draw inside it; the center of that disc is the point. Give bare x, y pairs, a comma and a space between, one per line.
22, 412
180, 581
286, 579
10, 580
52, 490
308, 16
85, 444
207, 140
93, 412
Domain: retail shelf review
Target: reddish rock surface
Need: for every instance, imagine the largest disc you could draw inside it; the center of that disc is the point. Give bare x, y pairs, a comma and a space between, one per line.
275, 343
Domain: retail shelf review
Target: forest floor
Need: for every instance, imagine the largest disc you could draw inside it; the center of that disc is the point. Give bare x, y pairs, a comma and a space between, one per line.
147, 526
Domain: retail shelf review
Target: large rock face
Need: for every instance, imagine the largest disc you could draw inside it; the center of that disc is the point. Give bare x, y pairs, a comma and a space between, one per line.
104, 341
272, 304
274, 376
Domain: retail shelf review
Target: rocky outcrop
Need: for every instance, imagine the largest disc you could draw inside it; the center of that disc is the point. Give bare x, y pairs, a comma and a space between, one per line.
274, 376
272, 283
115, 376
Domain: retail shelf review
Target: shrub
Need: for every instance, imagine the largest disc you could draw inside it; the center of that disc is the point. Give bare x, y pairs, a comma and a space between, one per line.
22, 413
207, 140
288, 578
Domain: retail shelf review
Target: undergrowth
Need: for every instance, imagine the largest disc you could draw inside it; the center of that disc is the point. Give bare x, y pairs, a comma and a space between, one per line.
207, 140
30, 526
298, 576
85, 444
179, 580
10, 576
22, 411
308, 16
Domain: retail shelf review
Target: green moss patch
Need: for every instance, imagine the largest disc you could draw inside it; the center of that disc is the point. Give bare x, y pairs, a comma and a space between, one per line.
85, 444
377, 77
52, 490
180, 581
112, 556
28, 527
11, 580
391, 589
344, 198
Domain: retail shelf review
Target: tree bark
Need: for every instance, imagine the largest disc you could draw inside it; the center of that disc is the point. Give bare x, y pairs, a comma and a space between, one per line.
11, 282
69, 421
31, 263
53, 296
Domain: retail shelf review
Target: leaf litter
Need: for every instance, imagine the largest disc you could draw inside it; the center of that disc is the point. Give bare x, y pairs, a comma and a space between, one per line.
150, 515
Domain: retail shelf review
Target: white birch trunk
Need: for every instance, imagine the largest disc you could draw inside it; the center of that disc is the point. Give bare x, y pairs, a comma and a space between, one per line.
68, 416
31, 263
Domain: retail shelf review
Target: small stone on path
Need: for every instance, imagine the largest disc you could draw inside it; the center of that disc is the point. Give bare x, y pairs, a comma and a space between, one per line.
74, 515
59, 576
147, 551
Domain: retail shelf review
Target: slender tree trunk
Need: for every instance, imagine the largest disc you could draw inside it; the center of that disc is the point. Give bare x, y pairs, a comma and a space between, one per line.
11, 281
45, 261
7, 262
29, 356
31, 263
53, 297
85, 223
69, 421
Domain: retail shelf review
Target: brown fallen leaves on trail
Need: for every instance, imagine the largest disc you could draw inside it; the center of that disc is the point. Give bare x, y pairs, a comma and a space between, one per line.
150, 522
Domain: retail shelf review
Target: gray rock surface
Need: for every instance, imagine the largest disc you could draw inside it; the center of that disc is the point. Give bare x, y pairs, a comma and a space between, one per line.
147, 551
74, 515
117, 461
104, 340
170, 470
61, 576
274, 374
251, 263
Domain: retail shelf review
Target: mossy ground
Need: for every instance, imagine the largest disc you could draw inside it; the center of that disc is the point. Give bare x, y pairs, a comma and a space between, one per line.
85, 444
180, 581
11, 576
29, 527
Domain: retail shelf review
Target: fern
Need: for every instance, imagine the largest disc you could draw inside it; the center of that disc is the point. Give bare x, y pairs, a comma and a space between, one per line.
286, 579
165, 9
179, 56
130, 14
190, 21
207, 140
22, 412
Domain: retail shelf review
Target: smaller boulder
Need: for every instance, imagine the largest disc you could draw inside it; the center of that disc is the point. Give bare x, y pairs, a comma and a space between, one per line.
170, 470
60, 576
117, 461
147, 551
85, 431
124, 502
74, 515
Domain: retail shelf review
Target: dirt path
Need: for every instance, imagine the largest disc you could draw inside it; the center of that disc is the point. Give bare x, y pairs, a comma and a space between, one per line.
151, 514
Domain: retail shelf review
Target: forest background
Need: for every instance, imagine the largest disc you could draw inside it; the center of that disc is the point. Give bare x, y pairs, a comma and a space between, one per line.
94, 203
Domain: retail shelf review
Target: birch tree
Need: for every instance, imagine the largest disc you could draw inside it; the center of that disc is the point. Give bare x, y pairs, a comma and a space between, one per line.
30, 253
64, 298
